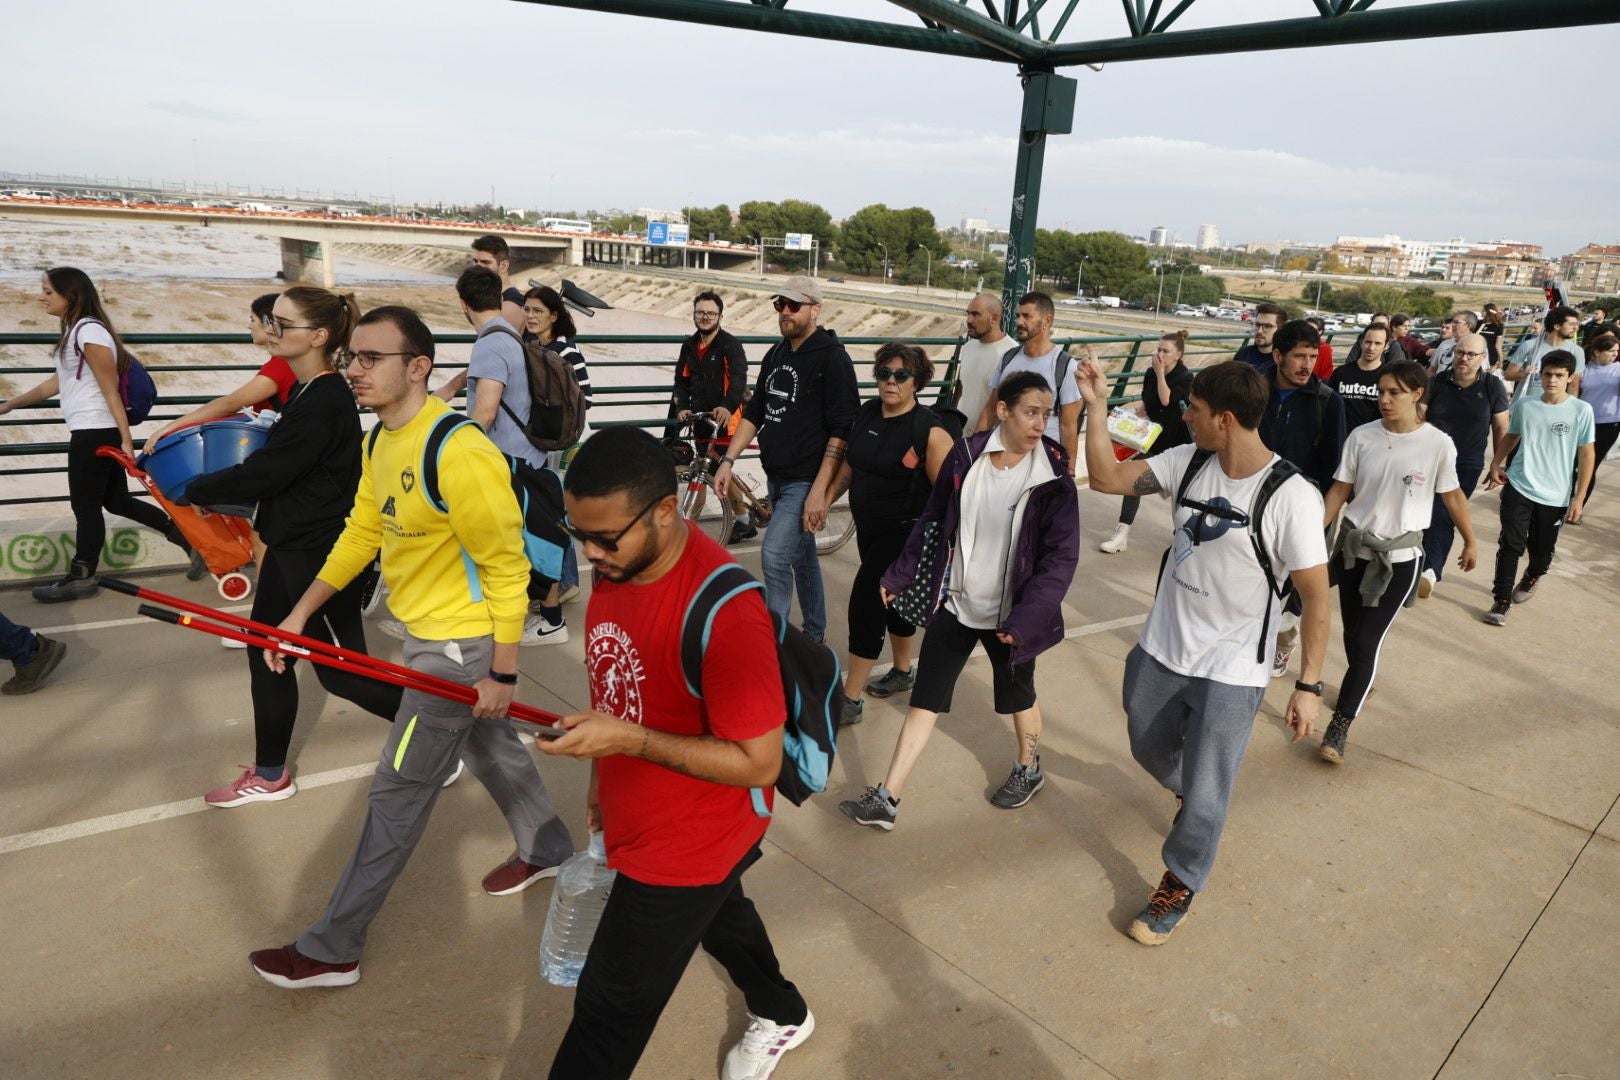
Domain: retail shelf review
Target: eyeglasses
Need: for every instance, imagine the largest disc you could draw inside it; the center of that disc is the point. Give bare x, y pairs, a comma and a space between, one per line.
705, 314
1471, 354
782, 303
278, 326
609, 544
365, 361
1209, 510
897, 375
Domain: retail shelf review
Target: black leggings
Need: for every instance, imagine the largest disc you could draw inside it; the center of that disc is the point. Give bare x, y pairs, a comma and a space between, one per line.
282, 581
1606, 434
868, 617
1366, 627
97, 483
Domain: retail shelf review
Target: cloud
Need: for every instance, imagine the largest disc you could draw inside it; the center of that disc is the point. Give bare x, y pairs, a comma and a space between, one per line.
189, 111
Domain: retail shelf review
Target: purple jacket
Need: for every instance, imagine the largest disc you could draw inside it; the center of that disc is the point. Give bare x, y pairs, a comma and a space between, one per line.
1044, 559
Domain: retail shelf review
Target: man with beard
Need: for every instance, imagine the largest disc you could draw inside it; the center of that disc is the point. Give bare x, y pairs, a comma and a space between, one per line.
710, 377
1033, 327
1267, 319
984, 349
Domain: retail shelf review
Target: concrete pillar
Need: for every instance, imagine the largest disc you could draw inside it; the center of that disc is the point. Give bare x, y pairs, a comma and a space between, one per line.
306, 262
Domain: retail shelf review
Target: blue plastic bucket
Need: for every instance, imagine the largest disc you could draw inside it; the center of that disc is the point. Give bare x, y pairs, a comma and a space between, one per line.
174, 462
227, 443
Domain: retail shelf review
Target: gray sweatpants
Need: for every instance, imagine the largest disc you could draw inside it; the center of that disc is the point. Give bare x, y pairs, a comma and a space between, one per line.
423, 743
1190, 734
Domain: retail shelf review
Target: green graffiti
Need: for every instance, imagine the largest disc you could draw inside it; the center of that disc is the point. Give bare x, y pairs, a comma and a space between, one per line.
39, 554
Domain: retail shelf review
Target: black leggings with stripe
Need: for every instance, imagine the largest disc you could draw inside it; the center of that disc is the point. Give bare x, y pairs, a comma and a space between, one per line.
1365, 628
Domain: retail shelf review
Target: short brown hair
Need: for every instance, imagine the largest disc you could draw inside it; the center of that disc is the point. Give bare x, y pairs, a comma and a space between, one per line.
493, 245
1235, 387
911, 357
1269, 308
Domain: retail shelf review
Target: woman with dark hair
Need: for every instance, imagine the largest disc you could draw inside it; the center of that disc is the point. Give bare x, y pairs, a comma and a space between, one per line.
1164, 399
987, 563
546, 319
90, 359
303, 479
896, 447
1601, 390
1389, 475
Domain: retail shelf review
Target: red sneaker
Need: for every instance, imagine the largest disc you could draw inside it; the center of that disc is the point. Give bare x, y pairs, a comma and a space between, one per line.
290, 969
514, 875
251, 787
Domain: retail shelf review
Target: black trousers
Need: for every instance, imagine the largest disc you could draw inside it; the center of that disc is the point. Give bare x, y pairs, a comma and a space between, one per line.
98, 483
1603, 443
1366, 627
868, 617
946, 646
646, 938
1525, 524
282, 581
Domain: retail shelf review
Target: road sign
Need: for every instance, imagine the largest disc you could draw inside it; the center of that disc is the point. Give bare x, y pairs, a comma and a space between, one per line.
798, 241
679, 234
658, 232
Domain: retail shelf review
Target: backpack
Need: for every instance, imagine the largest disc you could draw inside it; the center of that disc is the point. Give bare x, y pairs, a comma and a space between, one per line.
556, 401
538, 491
812, 679
135, 386
1060, 369
1279, 473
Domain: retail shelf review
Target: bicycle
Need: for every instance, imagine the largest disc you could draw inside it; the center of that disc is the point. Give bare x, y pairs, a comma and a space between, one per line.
694, 477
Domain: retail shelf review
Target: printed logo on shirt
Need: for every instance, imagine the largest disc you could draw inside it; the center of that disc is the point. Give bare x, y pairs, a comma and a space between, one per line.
780, 393
1561, 428
1414, 482
388, 507
407, 479
616, 672
1201, 528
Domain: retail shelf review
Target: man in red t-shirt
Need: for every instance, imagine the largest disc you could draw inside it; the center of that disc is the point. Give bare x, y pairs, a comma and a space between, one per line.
670, 776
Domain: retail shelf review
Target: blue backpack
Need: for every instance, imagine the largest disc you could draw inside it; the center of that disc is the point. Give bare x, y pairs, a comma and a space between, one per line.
135, 386
812, 678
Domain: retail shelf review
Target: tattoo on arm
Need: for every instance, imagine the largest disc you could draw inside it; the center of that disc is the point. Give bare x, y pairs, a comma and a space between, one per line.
1146, 484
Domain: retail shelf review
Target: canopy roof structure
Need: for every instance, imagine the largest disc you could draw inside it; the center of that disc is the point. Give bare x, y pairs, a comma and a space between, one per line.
1028, 34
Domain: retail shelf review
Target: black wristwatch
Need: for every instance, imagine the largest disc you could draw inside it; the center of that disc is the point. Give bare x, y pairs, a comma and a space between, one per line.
504, 678
1308, 687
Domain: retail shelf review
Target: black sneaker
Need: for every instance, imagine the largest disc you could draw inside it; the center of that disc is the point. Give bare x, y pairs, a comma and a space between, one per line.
893, 682
1166, 908
873, 808
1525, 589
198, 568
78, 584
1332, 748
852, 713
1498, 614
1020, 787
743, 530
48, 653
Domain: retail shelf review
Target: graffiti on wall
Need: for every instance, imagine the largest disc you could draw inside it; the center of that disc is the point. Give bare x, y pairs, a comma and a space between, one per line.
43, 554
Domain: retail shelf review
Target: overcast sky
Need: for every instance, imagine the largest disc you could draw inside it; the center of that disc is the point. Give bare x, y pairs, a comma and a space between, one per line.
1484, 137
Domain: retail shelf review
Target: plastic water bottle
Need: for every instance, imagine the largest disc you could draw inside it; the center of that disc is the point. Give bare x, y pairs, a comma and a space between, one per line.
583, 884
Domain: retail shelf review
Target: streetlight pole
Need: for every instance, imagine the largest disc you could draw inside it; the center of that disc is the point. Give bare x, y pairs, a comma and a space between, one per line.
1158, 304
885, 248
1079, 275
1178, 285
928, 272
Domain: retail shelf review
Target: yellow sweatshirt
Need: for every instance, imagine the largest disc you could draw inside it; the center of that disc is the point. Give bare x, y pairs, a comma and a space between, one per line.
456, 575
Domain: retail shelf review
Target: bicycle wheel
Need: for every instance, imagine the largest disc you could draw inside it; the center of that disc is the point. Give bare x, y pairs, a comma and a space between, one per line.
838, 531
699, 502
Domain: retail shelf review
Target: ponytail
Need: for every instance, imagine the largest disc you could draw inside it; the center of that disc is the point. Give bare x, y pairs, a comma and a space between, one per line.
336, 313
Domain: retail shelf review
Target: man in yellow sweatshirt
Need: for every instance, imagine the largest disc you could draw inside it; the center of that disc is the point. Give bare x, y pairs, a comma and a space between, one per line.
457, 577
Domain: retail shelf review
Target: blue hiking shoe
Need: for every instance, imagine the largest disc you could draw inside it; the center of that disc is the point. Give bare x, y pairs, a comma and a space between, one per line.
1166, 908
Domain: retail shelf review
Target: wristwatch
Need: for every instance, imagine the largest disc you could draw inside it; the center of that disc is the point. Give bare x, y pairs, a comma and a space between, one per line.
1308, 687
504, 678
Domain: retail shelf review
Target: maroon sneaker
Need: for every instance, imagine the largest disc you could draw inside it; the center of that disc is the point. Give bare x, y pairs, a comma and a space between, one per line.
514, 875
290, 969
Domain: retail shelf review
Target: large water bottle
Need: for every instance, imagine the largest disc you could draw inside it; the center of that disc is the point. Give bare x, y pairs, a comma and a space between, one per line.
583, 883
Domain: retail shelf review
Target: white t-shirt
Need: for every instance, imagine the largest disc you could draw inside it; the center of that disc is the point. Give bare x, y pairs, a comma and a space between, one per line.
1047, 367
986, 538
1396, 477
83, 404
977, 367
1213, 595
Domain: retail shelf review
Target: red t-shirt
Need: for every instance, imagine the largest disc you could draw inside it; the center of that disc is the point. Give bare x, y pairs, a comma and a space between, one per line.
1324, 361
663, 827
279, 372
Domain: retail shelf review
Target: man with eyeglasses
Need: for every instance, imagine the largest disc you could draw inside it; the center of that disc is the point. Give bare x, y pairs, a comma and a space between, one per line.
711, 374
804, 402
1468, 403
1268, 319
1456, 328
458, 579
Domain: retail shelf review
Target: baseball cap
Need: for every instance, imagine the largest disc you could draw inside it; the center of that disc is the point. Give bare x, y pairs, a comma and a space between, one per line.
804, 290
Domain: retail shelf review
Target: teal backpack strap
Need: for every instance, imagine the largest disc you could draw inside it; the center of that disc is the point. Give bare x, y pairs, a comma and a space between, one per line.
432, 451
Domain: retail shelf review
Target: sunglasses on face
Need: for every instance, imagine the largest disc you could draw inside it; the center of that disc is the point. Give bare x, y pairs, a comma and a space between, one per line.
897, 375
609, 544
782, 303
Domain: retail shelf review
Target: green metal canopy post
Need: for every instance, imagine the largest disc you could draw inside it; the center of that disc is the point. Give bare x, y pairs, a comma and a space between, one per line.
1048, 110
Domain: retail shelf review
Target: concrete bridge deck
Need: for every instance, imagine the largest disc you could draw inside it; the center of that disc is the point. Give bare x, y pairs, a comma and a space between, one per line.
1442, 905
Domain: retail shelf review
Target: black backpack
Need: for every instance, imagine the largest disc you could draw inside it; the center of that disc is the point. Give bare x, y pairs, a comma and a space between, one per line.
1279, 473
556, 400
812, 680
1059, 369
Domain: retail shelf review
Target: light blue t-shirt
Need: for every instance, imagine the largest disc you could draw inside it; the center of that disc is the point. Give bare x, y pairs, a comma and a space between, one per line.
1600, 388
1544, 468
1530, 352
498, 355
1049, 368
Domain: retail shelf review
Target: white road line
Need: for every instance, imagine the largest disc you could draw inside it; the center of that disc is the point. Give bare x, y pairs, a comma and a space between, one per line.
139, 620
130, 818
1103, 627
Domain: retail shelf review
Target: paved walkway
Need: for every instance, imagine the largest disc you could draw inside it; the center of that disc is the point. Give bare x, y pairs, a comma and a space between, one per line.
1442, 905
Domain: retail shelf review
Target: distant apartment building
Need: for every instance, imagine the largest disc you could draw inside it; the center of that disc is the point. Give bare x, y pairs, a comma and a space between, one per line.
1159, 237
1208, 238
677, 217
1500, 264
975, 226
1379, 260
1594, 268
1423, 256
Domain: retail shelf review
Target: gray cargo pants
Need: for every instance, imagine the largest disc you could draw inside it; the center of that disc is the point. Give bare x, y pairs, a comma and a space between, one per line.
423, 743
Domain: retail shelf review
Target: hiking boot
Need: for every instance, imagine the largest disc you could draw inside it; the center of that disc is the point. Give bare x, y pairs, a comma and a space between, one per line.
250, 787
1279, 661
1525, 589
1333, 739
290, 969
1020, 787
761, 1047
1116, 543
1498, 614
48, 653
537, 630
875, 808
852, 713
743, 530
893, 682
78, 584
514, 875
1166, 908
198, 569
1426, 583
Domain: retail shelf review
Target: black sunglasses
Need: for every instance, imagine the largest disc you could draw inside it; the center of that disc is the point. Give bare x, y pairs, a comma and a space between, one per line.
1209, 510
898, 374
609, 544
782, 303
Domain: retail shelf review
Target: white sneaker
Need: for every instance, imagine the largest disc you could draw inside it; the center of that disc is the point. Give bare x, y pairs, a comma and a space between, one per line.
537, 631
1279, 662
229, 644
568, 595
393, 628
759, 1051
1116, 543
461, 766
1426, 584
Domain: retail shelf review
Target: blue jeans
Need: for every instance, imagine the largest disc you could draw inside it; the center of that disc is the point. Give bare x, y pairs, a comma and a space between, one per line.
17, 643
790, 552
1442, 531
